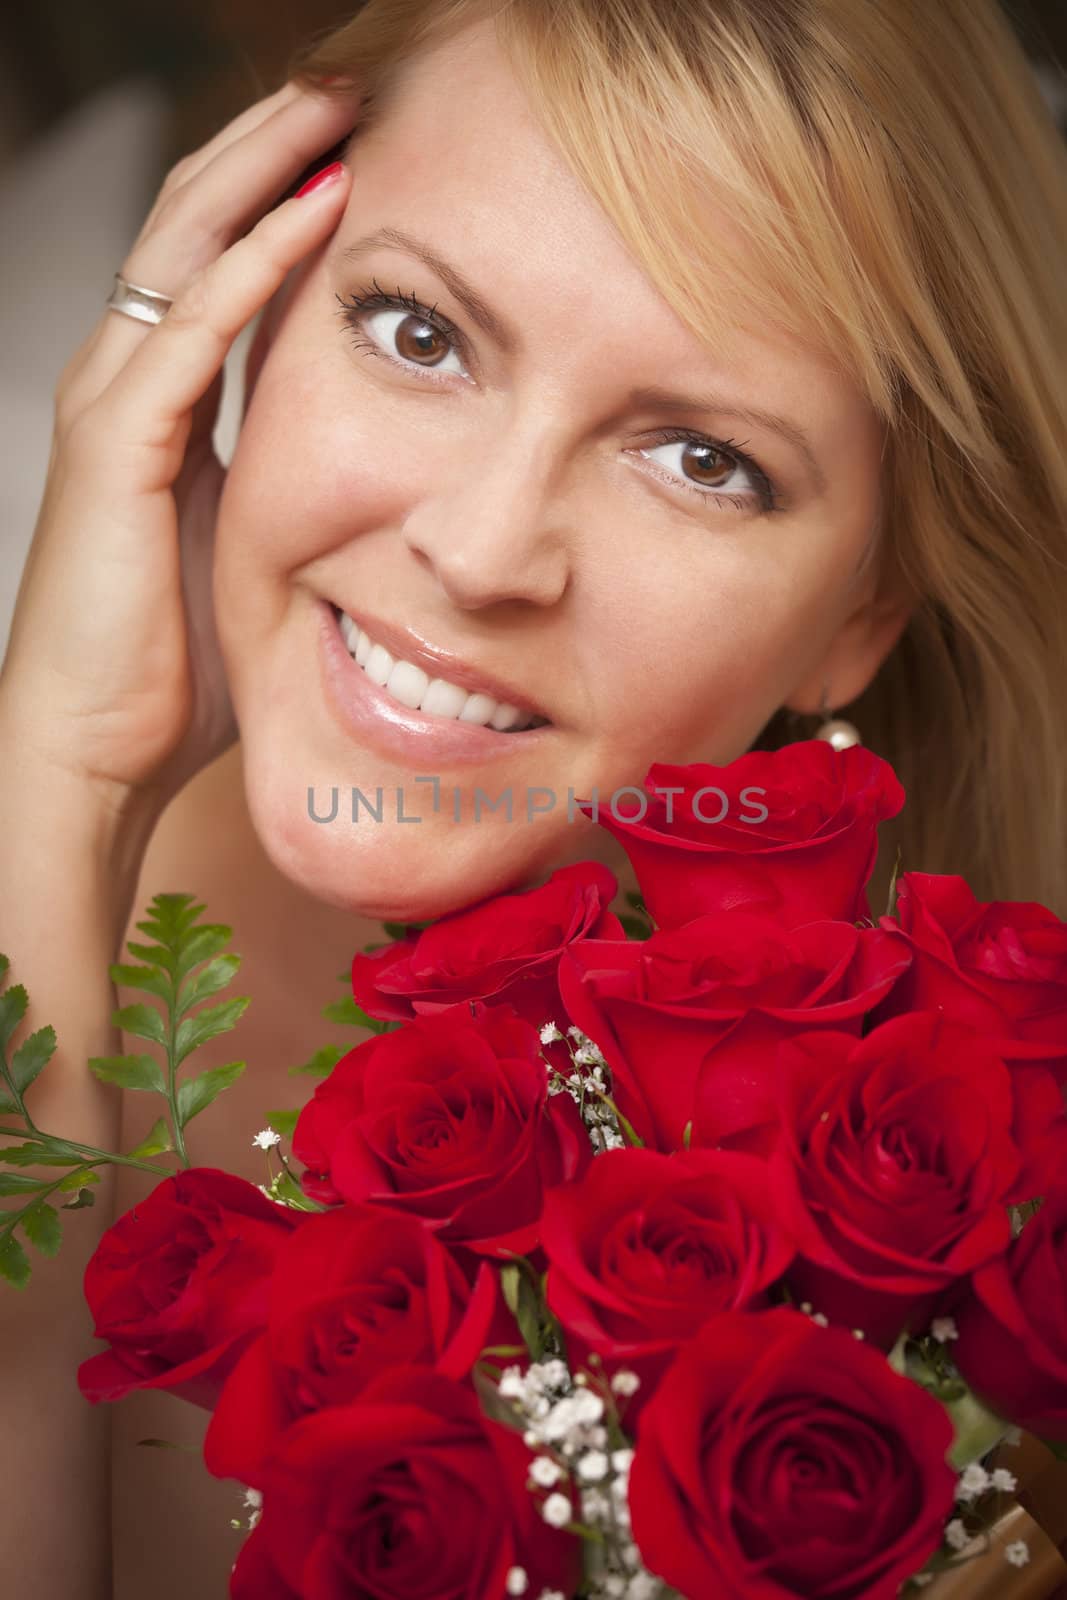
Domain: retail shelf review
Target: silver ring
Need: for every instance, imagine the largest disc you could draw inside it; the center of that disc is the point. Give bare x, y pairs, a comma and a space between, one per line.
144, 305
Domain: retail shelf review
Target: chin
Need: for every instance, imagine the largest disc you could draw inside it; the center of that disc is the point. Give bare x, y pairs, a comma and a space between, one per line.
394, 871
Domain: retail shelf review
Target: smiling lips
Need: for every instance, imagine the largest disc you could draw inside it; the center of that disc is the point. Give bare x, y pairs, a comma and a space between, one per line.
411, 685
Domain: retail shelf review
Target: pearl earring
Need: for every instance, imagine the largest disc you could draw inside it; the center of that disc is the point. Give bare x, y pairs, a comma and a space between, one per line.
835, 730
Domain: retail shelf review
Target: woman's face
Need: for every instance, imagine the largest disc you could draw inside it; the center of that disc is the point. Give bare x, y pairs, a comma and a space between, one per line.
505, 493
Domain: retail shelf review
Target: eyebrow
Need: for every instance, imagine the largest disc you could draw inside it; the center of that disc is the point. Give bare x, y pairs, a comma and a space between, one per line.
504, 335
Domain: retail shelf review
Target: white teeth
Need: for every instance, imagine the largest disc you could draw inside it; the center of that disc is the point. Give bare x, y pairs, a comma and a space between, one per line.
408, 683
444, 698
412, 687
378, 665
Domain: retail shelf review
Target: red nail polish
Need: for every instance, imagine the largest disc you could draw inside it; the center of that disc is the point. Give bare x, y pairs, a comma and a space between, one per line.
327, 175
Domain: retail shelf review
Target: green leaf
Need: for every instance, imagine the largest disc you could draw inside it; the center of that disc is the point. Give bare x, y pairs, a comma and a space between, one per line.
8, 1103
1057, 1446
20, 1183
510, 1277
688, 1134
283, 1122
156, 1143
84, 1198
348, 1013
287, 1189
368, 950
200, 946
40, 1155
32, 1054
144, 1022
40, 1224
321, 1063
129, 1072
4, 966
400, 930
77, 1179
199, 1092
207, 1024
155, 954
208, 981
635, 927
634, 899
14, 1262
150, 979
12, 1010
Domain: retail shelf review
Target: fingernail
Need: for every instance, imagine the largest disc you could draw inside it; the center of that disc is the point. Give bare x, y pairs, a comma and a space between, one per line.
327, 175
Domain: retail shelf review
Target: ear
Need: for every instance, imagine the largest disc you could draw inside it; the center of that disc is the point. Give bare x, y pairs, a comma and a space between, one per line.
858, 649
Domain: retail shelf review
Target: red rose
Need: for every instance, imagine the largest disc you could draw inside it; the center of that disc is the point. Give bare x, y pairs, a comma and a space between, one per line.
687, 1018
178, 1286
797, 836
896, 1166
410, 1492
646, 1247
778, 1458
998, 967
1012, 1345
448, 1119
353, 1292
505, 950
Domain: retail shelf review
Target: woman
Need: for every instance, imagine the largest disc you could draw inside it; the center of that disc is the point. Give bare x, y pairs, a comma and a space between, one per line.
669, 374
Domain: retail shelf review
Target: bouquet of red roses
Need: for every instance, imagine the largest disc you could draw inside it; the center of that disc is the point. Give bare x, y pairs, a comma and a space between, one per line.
703, 1251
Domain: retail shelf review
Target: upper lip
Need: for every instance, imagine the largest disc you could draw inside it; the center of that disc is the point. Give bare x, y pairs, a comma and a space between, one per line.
436, 663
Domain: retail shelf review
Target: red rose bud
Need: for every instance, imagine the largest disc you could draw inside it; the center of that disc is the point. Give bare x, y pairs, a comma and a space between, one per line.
448, 1119
779, 1458
1012, 1345
504, 950
354, 1291
178, 1286
646, 1247
899, 1154
408, 1490
790, 832
999, 968
689, 1020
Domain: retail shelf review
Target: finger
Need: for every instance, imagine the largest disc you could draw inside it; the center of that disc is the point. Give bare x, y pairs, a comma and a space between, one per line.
147, 405
201, 218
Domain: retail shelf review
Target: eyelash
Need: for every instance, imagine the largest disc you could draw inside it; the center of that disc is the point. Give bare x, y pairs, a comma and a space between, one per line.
359, 303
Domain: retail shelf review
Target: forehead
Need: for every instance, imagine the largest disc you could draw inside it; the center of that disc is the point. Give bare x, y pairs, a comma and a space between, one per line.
458, 156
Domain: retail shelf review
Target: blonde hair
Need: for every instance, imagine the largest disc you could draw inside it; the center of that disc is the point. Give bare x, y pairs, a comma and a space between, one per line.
899, 181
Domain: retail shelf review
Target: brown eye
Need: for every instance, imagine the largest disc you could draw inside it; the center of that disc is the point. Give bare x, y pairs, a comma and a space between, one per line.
419, 341
706, 464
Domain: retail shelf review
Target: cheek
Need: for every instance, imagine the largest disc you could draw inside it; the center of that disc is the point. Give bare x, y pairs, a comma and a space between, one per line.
700, 652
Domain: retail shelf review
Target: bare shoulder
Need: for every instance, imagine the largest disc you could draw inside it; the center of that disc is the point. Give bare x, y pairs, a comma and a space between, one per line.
172, 1528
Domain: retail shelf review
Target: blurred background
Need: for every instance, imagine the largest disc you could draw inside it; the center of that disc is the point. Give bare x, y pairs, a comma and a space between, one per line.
97, 99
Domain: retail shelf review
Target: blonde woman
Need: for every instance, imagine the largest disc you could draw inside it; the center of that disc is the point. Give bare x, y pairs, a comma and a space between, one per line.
670, 374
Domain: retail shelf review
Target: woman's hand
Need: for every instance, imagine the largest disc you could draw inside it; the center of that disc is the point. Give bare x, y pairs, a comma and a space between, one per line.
113, 675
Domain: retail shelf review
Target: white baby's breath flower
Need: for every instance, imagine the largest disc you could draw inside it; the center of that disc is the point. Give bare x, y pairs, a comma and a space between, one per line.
1014, 1436
821, 1319
545, 1472
943, 1329
974, 1480
556, 1511
266, 1139
625, 1382
1004, 1480
1018, 1553
621, 1459
550, 1033
593, 1466
516, 1581
253, 1499
956, 1535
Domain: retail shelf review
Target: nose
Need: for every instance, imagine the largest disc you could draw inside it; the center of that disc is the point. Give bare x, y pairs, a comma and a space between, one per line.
496, 530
